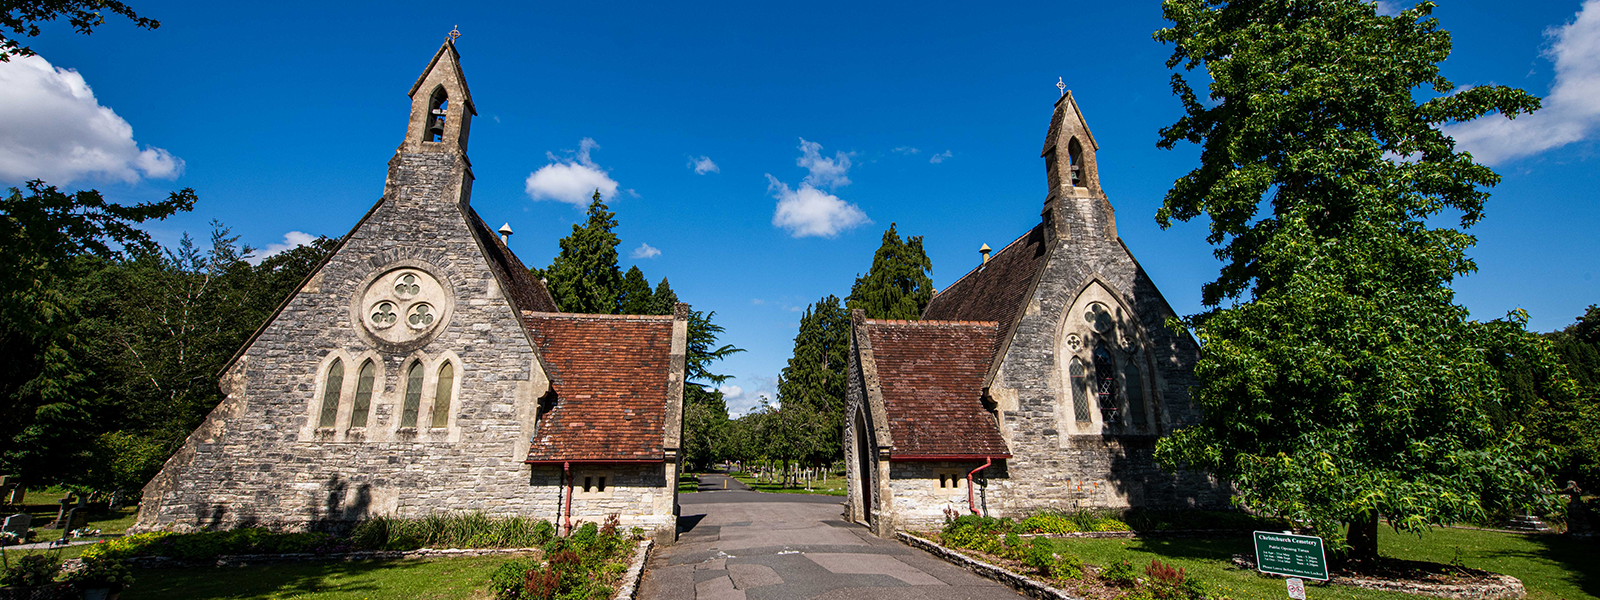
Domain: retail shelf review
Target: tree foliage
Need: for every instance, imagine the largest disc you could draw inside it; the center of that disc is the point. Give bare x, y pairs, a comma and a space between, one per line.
584, 277
22, 19
1339, 382
898, 285
1553, 385
812, 387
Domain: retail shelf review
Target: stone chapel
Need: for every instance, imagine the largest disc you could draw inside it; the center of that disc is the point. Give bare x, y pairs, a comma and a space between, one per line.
1040, 379
422, 369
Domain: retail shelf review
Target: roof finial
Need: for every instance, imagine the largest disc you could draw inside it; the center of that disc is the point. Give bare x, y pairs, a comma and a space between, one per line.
1061, 85
455, 32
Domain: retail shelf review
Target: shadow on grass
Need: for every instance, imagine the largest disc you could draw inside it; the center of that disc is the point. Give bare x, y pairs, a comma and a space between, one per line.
1573, 555
262, 581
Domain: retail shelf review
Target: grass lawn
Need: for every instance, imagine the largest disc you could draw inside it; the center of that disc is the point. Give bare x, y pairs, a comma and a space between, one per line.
1550, 567
432, 579
834, 486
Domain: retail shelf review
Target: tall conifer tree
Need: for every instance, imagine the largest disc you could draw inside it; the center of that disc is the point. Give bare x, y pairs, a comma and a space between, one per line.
897, 286
584, 277
1339, 380
635, 297
815, 379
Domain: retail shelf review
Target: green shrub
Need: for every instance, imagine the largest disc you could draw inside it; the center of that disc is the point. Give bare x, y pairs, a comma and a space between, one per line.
460, 530
1066, 566
206, 545
31, 570
1121, 573
508, 581
579, 566
1048, 522
1040, 555
1110, 525
101, 572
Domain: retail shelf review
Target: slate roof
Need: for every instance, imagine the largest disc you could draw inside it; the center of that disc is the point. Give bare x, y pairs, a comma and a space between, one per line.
609, 374
526, 292
931, 376
994, 291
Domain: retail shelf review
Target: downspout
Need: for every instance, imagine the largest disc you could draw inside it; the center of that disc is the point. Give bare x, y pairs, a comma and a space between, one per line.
972, 502
566, 468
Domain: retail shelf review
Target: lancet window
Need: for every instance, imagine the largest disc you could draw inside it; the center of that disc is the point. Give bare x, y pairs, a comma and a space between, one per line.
413, 401
438, 108
1080, 390
1105, 377
363, 401
331, 387
441, 396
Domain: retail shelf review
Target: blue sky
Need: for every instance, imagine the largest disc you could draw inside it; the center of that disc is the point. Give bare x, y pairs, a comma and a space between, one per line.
825, 122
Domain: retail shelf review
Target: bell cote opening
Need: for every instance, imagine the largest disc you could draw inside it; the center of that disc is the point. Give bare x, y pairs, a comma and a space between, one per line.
1075, 160
438, 109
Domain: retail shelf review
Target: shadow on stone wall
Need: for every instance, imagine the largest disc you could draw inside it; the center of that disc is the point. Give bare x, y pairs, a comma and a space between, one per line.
1135, 476
340, 508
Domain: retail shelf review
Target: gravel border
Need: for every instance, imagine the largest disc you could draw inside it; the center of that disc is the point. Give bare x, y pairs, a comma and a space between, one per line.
1026, 585
630, 579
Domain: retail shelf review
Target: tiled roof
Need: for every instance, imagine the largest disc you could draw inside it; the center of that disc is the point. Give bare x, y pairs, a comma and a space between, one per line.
995, 291
609, 374
931, 377
516, 281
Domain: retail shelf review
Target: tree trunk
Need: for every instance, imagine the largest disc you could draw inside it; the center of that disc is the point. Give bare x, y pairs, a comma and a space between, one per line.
1363, 537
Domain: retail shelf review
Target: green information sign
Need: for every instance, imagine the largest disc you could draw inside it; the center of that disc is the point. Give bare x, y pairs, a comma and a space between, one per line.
1291, 555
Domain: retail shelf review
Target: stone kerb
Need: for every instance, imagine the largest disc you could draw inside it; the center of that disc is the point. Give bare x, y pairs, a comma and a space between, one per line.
1029, 586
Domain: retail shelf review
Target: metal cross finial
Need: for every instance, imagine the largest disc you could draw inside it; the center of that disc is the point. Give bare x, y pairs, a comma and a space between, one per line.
455, 32
1061, 85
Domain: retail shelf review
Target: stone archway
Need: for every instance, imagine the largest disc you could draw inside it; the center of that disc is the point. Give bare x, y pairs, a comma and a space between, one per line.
864, 468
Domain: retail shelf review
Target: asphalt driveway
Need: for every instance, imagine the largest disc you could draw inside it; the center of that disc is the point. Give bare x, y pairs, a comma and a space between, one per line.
744, 545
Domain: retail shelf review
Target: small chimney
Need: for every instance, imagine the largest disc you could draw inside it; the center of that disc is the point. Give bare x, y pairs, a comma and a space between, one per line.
505, 234
985, 252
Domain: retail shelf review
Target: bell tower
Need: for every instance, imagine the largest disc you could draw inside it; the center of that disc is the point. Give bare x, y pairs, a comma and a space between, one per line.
1074, 205
431, 163
441, 106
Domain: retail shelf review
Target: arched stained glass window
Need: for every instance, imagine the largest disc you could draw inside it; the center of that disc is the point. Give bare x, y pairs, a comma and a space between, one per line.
358, 413
441, 395
408, 413
330, 393
1080, 389
1105, 375
1135, 387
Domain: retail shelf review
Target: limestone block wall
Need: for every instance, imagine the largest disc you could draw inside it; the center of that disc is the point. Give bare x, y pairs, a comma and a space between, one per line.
638, 494
250, 464
923, 490
1110, 466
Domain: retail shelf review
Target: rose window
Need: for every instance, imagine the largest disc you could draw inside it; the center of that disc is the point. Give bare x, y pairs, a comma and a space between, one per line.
1099, 318
407, 295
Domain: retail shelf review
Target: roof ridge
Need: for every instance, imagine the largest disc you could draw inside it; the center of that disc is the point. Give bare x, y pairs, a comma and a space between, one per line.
580, 316
981, 265
932, 323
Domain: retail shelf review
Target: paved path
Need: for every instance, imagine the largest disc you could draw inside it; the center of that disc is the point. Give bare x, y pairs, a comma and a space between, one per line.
739, 545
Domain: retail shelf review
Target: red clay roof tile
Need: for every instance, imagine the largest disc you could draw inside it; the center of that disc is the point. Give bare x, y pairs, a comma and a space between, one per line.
931, 373
609, 374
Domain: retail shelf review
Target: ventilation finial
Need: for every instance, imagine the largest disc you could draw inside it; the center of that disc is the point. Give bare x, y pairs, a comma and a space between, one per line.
1061, 84
985, 252
505, 233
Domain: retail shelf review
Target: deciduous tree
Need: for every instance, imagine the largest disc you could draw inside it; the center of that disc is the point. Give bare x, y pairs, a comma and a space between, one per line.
1338, 379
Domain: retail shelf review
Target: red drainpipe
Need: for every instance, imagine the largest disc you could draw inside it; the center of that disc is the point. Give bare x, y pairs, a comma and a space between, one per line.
566, 468
972, 502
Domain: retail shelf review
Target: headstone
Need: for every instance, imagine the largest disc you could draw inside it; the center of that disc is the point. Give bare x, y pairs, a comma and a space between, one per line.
17, 495
18, 524
78, 518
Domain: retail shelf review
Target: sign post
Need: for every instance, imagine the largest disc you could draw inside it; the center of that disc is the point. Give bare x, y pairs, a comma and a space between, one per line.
1291, 555
1297, 588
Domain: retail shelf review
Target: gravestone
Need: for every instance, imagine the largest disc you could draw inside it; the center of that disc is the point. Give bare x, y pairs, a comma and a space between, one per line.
18, 524
1580, 517
17, 495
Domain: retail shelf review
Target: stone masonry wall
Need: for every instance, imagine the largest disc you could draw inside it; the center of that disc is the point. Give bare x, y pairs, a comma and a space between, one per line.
247, 464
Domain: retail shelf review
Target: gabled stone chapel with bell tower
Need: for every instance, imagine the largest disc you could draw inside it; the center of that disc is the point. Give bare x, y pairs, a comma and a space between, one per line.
422, 369
1039, 380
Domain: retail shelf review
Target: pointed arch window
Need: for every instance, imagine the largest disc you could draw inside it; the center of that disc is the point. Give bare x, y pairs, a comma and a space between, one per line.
1075, 159
331, 386
1080, 389
1135, 388
1105, 375
408, 413
441, 395
363, 403
438, 108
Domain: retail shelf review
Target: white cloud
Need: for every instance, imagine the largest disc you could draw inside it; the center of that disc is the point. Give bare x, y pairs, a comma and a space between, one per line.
646, 251
572, 180
1571, 111
741, 401
52, 128
1388, 9
703, 165
939, 158
825, 172
905, 150
291, 240
809, 211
